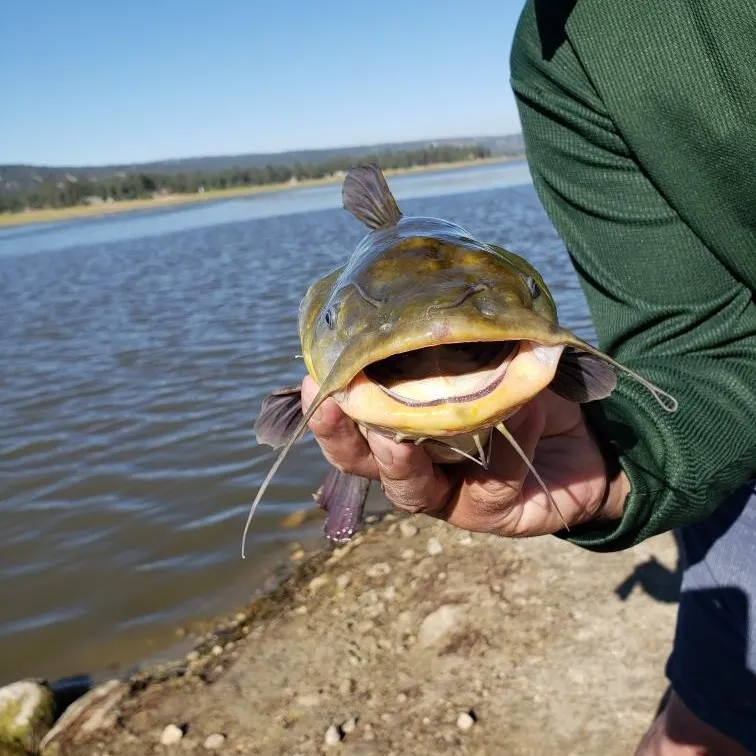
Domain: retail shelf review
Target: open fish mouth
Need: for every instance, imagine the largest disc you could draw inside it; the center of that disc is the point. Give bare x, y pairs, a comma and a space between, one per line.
445, 374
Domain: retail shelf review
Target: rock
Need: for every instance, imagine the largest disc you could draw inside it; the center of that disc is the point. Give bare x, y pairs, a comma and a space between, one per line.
379, 569
171, 735
347, 686
318, 582
465, 721
333, 735
438, 624
297, 556
407, 529
308, 701
294, 519
96, 710
217, 650
26, 715
349, 725
365, 626
434, 546
408, 554
343, 580
214, 742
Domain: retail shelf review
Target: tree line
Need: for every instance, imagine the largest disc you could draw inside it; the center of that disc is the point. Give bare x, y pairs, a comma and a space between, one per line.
76, 189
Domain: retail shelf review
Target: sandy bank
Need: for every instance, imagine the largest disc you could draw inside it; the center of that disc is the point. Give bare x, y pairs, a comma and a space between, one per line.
416, 638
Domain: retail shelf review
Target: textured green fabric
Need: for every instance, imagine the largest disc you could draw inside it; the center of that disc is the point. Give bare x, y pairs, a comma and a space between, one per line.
640, 126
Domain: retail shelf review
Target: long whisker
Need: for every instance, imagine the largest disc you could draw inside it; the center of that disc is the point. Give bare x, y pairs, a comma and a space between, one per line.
322, 395
483, 456
505, 432
666, 401
459, 451
490, 447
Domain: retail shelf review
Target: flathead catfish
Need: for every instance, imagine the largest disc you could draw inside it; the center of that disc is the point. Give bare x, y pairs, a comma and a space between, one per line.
428, 336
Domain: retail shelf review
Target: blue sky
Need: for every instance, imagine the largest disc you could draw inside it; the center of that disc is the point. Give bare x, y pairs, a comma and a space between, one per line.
89, 82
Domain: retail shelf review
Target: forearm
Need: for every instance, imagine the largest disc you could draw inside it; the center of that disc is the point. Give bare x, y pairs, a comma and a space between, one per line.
662, 302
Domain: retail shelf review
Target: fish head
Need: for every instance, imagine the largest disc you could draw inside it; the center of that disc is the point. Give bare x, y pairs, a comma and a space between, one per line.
427, 331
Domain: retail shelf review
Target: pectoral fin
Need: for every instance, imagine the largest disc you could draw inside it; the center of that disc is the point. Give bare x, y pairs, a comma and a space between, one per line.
582, 377
279, 415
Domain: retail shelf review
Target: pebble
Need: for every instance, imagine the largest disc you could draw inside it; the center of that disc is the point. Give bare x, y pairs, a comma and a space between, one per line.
434, 546
343, 580
217, 650
465, 721
297, 556
365, 626
318, 582
349, 725
407, 529
439, 624
347, 686
408, 554
215, 741
26, 715
240, 617
171, 735
301, 609
379, 569
333, 735
193, 656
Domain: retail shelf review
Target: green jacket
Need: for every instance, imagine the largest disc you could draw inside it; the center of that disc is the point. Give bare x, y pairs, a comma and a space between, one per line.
639, 120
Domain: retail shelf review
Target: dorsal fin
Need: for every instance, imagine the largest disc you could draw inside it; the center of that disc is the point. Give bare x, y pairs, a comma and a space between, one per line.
367, 197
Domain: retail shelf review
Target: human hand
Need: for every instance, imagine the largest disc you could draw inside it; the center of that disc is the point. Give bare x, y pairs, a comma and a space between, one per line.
505, 499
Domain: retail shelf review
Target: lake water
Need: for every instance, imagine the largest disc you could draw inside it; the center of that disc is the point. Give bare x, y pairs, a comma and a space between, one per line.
135, 352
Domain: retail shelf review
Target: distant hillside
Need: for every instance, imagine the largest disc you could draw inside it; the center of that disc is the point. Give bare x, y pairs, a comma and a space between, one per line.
21, 178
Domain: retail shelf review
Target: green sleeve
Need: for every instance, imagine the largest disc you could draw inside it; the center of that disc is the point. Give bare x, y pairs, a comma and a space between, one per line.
665, 256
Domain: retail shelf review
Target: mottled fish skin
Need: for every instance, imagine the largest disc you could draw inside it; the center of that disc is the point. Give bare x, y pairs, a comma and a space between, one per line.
413, 283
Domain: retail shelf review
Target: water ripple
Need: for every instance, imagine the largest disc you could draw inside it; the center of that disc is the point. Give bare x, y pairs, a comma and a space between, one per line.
133, 368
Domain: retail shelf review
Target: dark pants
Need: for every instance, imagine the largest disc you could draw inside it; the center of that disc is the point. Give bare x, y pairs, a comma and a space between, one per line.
713, 662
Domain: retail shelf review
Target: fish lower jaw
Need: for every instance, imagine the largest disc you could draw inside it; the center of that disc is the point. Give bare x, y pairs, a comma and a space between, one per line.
508, 387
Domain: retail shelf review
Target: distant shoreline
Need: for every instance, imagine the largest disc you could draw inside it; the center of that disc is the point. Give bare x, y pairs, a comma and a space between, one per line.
51, 215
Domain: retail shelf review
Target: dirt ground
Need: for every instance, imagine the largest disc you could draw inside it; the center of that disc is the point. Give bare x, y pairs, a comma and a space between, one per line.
416, 638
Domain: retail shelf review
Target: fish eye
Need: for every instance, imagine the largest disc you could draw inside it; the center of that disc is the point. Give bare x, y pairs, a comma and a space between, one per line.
533, 287
330, 317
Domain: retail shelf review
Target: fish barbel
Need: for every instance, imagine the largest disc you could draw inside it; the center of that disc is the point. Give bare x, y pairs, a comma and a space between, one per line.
428, 336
